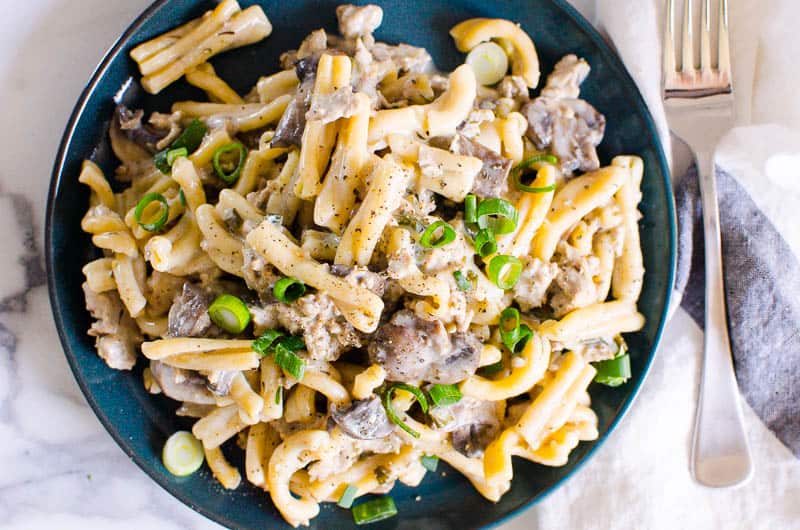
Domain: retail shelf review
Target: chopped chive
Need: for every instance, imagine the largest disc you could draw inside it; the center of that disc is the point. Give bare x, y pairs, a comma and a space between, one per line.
279, 395
191, 137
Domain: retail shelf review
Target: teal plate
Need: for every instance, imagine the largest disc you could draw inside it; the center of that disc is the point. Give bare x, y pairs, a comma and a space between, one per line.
140, 423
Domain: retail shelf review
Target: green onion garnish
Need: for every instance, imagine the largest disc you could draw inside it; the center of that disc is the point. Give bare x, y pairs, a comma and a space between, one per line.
189, 140
263, 344
490, 369
217, 162
387, 404
510, 327
613, 372
427, 238
443, 395
470, 209
229, 313
182, 454
290, 362
429, 462
525, 333
160, 161
485, 243
288, 289
161, 220
348, 496
191, 136
374, 510
279, 395
519, 169
182, 197
293, 343
174, 154
504, 271
462, 281
497, 214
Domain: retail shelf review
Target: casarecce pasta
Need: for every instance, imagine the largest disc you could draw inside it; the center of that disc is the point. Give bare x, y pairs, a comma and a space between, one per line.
364, 265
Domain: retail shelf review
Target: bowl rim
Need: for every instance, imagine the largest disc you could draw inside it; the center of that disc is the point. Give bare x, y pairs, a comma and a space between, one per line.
220, 518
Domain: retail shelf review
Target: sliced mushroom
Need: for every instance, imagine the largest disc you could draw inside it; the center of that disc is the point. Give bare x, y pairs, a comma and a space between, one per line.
181, 385
188, 316
364, 419
411, 348
492, 180
142, 134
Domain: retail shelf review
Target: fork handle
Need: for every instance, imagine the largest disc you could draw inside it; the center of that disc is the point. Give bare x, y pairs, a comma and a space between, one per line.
720, 453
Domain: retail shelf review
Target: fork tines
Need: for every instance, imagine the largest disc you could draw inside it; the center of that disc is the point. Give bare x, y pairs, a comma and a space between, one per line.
688, 81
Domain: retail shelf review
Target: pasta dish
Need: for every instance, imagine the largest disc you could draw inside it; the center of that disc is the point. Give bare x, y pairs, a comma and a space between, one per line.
365, 265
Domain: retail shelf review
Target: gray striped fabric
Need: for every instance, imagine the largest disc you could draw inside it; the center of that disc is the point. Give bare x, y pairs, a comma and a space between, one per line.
762, 286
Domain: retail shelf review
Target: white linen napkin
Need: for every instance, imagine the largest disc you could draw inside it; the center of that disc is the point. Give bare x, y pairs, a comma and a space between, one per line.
640, 478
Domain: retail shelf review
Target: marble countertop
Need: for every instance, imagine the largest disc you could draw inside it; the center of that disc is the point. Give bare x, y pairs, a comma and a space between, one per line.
60, 469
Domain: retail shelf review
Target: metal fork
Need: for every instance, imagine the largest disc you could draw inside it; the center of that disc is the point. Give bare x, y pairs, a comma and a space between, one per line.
699, 106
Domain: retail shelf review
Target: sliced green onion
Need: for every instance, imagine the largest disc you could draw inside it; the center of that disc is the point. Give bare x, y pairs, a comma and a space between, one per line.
229, 313
489, 62
429, 462
263, 344
182, 454
217, 162
174, 154
519, 169
613, 372
292, 343
279, 395
374, 510
485, 243
182, 197
427, 238
490, 369
348, 496
443, 395
387, 404
525, 333
288, 289
161, 220
290, 362
497, 214
160, 161
470, 209
504, 271
191, 136
462, 281
510, 327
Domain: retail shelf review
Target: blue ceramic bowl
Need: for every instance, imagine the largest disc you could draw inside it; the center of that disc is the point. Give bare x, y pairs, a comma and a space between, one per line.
140, 422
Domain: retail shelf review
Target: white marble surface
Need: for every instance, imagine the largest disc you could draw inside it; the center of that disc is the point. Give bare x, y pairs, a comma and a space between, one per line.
60, 469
